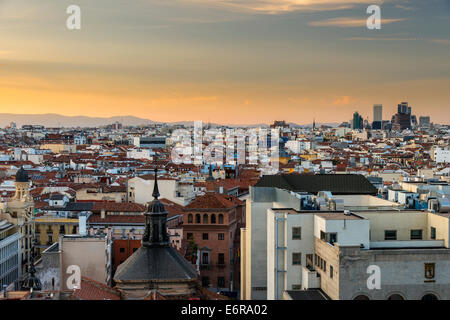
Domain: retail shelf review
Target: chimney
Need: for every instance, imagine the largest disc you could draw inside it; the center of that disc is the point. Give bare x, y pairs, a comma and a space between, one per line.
82, 217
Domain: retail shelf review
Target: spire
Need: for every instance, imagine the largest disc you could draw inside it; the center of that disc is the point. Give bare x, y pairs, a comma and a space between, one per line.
155, 193
155, 221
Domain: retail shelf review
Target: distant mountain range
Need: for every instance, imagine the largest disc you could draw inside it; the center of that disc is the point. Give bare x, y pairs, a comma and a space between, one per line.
57, 120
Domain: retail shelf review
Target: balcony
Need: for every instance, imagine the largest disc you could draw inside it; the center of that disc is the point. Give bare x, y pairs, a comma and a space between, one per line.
221, 265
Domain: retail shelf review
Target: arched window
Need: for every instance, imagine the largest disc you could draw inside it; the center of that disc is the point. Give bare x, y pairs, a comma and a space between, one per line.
395, 297
361, 297
213, 218
190, 218
429, 296
205, 218
197, 218
220, 218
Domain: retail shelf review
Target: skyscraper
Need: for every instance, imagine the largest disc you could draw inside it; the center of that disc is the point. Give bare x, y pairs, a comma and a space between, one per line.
358, 122
377, 112
377, 116
402, 120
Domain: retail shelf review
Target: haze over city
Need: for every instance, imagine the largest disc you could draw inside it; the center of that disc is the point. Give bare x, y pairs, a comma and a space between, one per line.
237, 62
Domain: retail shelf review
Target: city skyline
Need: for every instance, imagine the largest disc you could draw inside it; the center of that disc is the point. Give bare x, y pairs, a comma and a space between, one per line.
211, 61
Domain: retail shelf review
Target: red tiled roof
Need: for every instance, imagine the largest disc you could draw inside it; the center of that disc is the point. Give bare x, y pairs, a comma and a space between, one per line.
94, 290
214, 201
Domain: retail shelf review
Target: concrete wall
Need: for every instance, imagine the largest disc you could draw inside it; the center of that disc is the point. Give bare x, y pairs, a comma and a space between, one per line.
261, 199
142, 190
89, 253
289, 274
350, 232
403, 222
402, 272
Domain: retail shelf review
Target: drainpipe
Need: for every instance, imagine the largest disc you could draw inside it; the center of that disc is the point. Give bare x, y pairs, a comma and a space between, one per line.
276, 257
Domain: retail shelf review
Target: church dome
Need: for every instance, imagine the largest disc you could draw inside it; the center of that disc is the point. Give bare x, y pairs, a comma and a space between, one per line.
21, 175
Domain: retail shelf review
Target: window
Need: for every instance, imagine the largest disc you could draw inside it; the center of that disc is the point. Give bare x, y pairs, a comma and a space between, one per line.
205, 218
324, 265
122, 250
221, 236
220, 218
296, 287
331, 272
205, 236
197, 218
205, 258
332, 237
220, 282
221, 258
190, 236
416, 234
213, 218
390, 234
190, 218
296, 258
433, 233
296, 233
205, 281
323, 236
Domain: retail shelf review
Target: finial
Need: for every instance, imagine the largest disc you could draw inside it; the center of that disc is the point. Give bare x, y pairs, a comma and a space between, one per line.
155, 193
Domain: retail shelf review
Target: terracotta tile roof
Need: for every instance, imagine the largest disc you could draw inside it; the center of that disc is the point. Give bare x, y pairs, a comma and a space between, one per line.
94, 290
214, 201
172, 208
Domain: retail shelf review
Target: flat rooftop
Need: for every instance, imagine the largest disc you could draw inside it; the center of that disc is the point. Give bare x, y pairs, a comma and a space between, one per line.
338, 216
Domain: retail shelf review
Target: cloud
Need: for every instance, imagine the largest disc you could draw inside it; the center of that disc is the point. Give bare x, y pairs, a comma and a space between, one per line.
283, 6
349, 22
181, 100
342, 100
440, 41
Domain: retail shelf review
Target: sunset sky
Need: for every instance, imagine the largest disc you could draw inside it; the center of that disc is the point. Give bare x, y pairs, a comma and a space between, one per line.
225, 61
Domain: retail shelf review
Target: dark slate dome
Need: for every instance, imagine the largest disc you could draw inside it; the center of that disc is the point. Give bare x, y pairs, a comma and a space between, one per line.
21, 175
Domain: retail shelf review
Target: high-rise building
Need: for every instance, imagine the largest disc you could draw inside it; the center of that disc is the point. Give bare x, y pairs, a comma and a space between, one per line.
358, 122
377, 116
377, 112
402, 120
424, 121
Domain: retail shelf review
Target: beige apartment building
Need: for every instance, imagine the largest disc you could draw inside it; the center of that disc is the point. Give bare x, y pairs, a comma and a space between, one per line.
334, 252
329, 251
